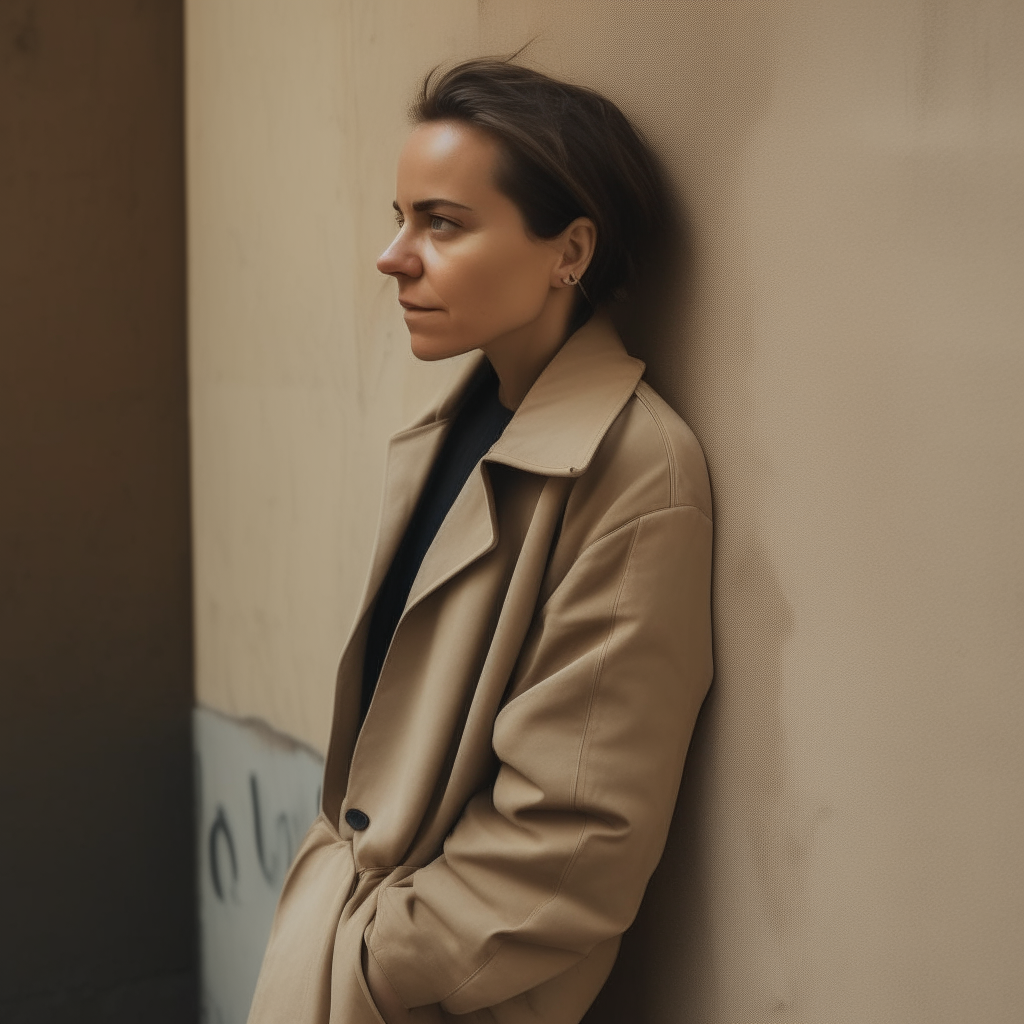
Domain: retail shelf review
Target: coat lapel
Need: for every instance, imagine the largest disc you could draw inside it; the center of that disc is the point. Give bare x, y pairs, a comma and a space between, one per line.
567, 412
411, 454
554, 432
468, 532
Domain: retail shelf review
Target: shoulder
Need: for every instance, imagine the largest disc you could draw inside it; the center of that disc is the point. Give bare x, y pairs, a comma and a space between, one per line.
648, 461
680, 459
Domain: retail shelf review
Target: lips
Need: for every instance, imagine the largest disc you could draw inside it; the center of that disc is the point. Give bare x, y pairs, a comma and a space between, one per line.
416, 309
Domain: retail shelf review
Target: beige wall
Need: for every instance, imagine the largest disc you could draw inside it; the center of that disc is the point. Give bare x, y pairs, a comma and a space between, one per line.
850, 352
299, 370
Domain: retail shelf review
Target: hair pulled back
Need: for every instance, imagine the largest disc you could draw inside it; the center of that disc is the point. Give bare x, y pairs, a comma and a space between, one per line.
565, 151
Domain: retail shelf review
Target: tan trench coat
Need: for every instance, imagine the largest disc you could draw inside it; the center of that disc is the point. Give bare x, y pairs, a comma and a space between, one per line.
521, 757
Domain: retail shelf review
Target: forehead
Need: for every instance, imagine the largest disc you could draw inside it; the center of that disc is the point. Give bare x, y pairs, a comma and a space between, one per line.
450, 160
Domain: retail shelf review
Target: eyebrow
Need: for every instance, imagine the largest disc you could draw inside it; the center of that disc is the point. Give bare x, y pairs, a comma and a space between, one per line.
425, 205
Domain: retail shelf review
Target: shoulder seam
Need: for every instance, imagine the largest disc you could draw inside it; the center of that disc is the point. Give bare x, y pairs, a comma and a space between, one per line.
644, 515
617, 529
664, 440
579, 775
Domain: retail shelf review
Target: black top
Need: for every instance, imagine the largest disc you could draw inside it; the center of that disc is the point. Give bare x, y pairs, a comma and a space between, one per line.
478, 424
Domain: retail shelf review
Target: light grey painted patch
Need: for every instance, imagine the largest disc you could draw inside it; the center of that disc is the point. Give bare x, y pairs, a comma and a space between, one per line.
258, 791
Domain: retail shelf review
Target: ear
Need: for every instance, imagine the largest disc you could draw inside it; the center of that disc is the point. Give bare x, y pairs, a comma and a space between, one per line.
575, 249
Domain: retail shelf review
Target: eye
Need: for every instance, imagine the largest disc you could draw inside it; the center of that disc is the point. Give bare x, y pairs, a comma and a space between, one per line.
441, 223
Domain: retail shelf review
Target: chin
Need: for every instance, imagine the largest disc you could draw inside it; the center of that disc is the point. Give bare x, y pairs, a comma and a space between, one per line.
430, 348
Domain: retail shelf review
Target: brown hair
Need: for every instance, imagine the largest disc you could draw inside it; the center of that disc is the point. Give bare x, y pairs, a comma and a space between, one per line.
566, 152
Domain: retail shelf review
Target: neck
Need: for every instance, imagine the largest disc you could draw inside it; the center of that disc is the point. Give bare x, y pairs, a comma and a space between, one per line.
520, 356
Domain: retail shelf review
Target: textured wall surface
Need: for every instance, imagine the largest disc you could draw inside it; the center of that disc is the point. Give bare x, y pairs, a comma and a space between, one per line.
845, 339
258, 792
299, 367
97, 915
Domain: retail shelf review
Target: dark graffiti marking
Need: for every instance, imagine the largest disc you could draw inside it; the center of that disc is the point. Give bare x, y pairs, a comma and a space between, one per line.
221, 831
254, 802
270, 870
275, 847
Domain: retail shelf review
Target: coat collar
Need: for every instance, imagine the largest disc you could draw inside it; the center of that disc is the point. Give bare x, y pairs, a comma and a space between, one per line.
561, 421
554, 432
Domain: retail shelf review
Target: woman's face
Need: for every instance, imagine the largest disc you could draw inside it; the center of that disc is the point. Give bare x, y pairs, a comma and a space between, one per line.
468, 272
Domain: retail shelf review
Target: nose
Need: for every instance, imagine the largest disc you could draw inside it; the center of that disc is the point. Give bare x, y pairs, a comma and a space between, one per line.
400, 258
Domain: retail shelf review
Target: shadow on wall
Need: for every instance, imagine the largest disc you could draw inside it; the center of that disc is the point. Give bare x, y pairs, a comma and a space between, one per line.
97, 894
667, 965
693, 322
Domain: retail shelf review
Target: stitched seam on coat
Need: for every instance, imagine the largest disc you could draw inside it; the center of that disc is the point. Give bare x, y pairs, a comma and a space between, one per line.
575, 783
580, 761
612, 416
570, 863
409, 432
380, 967
516, 462
638, 516
614, 530
665, 441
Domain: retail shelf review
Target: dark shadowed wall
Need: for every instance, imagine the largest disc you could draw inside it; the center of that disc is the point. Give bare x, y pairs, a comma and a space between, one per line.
95, 652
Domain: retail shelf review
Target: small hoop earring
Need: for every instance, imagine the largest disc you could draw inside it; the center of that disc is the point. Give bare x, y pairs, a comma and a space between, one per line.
572, 279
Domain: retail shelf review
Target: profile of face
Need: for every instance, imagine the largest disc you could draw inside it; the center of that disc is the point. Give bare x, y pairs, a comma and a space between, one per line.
470, 274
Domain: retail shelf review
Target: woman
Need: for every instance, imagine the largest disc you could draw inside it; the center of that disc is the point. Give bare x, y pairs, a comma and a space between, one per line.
514, 704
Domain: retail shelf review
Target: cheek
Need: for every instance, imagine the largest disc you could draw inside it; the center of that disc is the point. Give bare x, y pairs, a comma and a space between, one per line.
492, 283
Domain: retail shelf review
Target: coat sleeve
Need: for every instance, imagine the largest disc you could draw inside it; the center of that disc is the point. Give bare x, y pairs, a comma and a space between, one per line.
555, 858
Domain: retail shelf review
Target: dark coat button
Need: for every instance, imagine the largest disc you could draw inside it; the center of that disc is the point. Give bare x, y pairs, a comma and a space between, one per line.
357, 819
